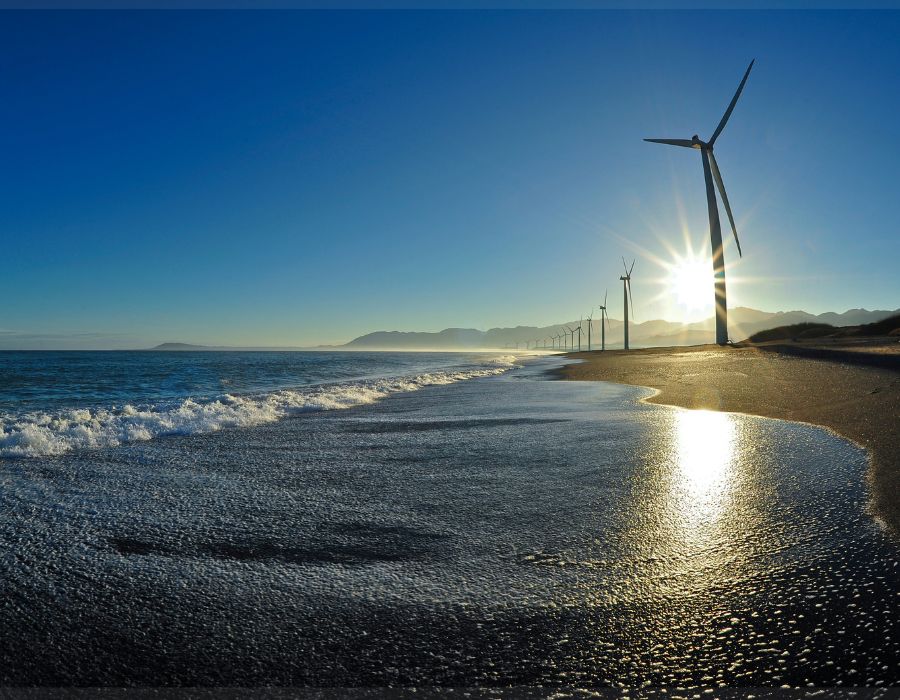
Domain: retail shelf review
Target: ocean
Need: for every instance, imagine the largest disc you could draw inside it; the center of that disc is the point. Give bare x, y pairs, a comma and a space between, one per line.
413, 519
54, 402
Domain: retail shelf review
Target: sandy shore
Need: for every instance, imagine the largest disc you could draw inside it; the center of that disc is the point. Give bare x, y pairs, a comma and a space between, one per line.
853, 390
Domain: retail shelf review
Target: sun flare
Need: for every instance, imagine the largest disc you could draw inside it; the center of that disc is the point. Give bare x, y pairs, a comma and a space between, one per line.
690, 283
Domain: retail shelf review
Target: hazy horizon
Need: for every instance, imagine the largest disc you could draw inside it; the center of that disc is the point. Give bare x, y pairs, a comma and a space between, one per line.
12, 341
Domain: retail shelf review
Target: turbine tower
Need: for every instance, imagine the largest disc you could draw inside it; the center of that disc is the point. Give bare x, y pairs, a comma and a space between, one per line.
590, 323
572, 331
603, 317
710, 173
626, 292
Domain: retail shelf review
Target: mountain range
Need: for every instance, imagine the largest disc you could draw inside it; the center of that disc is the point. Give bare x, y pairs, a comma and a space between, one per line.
742, 322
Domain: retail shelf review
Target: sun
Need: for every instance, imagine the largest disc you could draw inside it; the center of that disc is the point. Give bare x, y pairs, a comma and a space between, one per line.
690, 283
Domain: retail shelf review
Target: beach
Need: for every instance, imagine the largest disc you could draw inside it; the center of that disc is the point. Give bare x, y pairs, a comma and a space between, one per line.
852, 389
436, 520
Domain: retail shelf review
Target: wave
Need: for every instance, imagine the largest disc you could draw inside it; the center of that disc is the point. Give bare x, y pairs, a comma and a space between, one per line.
46, 434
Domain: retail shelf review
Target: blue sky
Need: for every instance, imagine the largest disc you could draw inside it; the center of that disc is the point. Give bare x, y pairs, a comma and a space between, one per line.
289, 178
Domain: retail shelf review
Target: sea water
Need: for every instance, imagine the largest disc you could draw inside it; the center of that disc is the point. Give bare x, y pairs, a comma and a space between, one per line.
53, 402
446, 520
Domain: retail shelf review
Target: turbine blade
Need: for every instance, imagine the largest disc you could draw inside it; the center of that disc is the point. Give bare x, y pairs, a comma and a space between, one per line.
721, 185
604, 297
630, 298
625, 266
631, 268
731, 106
686, 143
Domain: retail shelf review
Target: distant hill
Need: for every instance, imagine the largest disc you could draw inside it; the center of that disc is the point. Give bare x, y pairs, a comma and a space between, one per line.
189, 347
447, 338
743, 322
176, 347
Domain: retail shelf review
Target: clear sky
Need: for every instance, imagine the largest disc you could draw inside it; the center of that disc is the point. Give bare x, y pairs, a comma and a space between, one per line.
290, 178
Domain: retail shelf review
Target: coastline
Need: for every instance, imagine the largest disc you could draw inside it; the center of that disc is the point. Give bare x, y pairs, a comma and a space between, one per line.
854, 392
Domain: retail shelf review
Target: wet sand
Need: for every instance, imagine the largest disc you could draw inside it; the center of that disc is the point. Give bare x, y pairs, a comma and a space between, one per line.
852, 389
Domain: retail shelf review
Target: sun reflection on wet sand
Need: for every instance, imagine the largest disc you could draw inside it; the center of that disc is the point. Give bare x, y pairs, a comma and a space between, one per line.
705, 452
700, 508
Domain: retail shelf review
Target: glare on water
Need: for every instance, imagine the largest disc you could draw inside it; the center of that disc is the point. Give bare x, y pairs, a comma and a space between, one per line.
705, 445
700, 505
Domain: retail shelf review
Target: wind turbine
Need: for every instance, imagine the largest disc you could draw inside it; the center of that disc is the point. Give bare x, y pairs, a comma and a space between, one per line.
710, 173
626, 292
603, 316
590, 323
572, 331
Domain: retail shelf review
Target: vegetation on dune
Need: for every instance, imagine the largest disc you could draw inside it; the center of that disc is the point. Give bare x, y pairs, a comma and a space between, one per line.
888, 326
797, 330
804, 331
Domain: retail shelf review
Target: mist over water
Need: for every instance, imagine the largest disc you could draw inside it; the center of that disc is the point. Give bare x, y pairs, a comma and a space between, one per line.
506, 530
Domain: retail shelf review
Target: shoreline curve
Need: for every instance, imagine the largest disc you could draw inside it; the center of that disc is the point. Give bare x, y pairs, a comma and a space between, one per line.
847, 394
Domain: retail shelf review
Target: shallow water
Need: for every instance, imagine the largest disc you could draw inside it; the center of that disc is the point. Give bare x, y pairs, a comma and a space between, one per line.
505, 530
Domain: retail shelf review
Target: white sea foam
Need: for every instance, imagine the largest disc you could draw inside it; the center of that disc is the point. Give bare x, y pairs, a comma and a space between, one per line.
38, 433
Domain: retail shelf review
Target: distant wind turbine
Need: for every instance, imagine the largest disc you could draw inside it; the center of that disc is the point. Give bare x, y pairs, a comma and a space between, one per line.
572, 331
626, 292
603, 317
710, 173
590, 323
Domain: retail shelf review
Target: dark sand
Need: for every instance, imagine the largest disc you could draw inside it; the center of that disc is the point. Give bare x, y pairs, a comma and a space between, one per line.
852, 389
